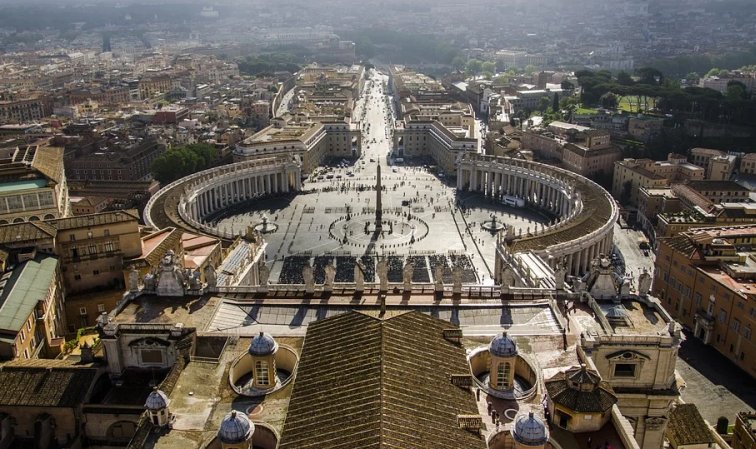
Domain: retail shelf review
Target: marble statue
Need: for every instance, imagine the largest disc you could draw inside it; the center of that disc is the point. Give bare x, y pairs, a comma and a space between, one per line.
133, 280
457, 279
359, 276
409, 268
149, 282
263, 273
210, 278
382, 271
171, 280
330, 275
508, 278
193, 279
309, 278
559, 274
438, 277
644, 283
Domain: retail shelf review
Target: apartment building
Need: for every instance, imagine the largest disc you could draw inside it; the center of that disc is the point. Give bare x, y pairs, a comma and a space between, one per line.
718, 164
91, 248
32, 184
32, 316
25, 110
748, 164
705, 279
630, 175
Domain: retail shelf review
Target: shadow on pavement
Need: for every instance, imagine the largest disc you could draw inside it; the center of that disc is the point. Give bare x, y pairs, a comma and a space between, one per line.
718, 368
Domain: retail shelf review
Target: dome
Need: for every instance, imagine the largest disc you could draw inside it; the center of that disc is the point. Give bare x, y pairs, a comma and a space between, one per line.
583, 379
263, 344
157, 400
529, 430
503, 346
235, 428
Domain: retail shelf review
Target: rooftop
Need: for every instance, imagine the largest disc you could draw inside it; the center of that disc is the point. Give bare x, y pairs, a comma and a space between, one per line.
22, 288
394, 386
687, 426
31, 386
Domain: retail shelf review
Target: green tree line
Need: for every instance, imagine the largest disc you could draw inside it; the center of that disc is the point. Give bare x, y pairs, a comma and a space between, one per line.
182, 161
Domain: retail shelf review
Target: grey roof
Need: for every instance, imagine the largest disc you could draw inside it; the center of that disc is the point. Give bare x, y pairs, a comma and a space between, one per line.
262, 344
235, 428
581, 390
157, 400
529, 430
22, 288
503, 346
44, 387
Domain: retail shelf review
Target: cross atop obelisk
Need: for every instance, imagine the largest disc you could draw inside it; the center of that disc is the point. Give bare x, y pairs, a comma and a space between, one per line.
378, 204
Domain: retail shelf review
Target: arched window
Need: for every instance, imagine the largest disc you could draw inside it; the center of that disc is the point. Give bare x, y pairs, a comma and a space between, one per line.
261, 372
502, 374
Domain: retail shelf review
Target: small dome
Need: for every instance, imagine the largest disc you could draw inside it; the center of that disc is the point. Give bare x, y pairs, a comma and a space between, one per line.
157, 400
235, 428
263, 344
583, 379
529, 430
503, 346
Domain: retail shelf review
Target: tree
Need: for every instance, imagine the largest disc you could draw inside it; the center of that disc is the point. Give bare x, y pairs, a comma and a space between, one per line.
713, 72
650, 75
625, 79
692, 76
609, 101
488, 66
474, 66
544, 103
555, 102
722, 424
179, 162
736, 91
567, 85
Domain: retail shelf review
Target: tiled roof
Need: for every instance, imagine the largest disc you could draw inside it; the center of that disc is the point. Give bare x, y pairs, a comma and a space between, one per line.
369, 382
599, 400
27, 231
44, 387
96, 219
49, 162
687, 426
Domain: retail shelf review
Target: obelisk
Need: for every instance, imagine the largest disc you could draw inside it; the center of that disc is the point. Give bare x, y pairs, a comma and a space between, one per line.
378, 204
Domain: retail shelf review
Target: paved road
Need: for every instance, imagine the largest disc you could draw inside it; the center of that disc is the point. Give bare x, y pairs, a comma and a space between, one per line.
714, 384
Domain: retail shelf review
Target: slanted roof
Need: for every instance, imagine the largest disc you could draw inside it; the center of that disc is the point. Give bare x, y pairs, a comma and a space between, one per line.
687, 426
44, 387
370, 382
581, 390
97, 219
22, 288
27, 231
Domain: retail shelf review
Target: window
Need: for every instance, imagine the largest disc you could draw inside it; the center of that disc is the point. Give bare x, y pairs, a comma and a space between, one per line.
100, 308
735, 325
82, 310
107, 232
722, 316
96, 272
261, 372
624, 370
72, 237
154, 356
77, 277
502, 375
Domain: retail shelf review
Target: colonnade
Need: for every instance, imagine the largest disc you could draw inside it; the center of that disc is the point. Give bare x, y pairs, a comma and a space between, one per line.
497, 180
584, 231
220, 193
203, 193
